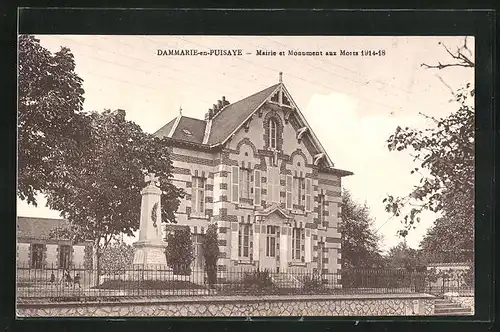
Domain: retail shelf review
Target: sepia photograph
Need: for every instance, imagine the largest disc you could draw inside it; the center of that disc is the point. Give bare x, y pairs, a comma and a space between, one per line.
245, 176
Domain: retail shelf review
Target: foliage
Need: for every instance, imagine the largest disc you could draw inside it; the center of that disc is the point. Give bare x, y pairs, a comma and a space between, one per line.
441, 244
403, 257
101, 196
211, 253
360, 244
179, 250
50, 123
258, 280
444, 154
312, 283
117, 258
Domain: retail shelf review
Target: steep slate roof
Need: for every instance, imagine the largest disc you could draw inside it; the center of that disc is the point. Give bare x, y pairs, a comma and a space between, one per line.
37, 227
165, 130
190, 129
229, 118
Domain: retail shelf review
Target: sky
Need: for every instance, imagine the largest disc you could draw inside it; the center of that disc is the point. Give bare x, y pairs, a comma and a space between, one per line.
353, 103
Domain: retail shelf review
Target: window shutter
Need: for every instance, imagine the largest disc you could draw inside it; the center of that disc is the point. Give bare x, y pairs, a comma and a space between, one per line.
256, 190
235, 190
234, 240
277, 185
204, 181
307, 247
308, 194
194, 194
256, 242
289, 183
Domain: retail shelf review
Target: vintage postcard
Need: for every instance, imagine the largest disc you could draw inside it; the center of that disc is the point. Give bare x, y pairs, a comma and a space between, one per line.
236, 176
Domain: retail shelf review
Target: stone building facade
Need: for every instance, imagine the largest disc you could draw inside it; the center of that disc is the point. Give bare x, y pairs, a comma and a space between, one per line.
256, 169
36, 249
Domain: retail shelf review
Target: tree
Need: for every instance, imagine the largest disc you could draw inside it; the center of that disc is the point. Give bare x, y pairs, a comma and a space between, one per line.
442, 245
179, 252
50, 125
100, 197
211, 253
359, 243
403, 257
444, 156
117, 257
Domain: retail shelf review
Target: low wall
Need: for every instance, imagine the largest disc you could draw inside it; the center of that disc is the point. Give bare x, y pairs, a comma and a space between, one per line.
235, 306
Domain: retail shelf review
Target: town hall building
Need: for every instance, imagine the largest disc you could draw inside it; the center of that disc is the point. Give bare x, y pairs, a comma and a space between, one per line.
256, 169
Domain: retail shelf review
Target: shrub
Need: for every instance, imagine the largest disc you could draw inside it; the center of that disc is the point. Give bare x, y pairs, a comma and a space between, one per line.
179, 252
116, 258
257, 280
312, 283
211, 254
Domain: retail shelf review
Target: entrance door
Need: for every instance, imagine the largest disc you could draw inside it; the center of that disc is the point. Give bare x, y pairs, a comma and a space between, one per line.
270, 250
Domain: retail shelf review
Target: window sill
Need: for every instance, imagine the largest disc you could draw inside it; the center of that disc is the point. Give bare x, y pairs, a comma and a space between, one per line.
245, 262
245, 206
197, 216
297, 264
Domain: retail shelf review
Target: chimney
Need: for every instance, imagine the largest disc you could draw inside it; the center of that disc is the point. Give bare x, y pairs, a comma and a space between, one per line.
216, 109
210, 114
219, 104
225, 102
121, 112
207, 116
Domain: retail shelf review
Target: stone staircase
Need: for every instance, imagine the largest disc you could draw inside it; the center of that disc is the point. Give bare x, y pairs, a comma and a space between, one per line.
445, 307
284, 280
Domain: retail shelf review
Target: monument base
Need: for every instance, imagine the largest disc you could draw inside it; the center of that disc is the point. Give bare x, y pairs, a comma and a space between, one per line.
150, 262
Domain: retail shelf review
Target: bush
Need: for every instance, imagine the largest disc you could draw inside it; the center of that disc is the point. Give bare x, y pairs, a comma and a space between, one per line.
211, 254
259, 280
179, 252
312, 283
116, 258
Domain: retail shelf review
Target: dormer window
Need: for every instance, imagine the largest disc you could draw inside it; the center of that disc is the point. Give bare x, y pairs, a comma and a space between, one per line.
273, 133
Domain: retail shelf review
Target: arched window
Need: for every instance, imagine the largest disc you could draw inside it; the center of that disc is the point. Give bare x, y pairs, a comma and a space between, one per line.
273, 133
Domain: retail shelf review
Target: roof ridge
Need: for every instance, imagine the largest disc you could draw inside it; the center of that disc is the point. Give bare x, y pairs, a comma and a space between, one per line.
247, 97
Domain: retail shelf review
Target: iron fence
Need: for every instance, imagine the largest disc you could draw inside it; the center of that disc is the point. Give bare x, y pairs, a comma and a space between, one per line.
80, 284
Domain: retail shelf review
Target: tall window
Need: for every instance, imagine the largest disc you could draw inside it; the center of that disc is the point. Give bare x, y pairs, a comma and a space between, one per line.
37, 255
273, 133
64, 256
321, 208
198, 204
244, 241
271, 241
245, 183
299, 189
297, 243
273, 184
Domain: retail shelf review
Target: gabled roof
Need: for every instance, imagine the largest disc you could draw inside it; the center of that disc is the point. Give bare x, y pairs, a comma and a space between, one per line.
272, 209
165, 130
233, 115
217, 131
38, 228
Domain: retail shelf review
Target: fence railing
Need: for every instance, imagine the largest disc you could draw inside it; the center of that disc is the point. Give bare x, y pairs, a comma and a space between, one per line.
80, 284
